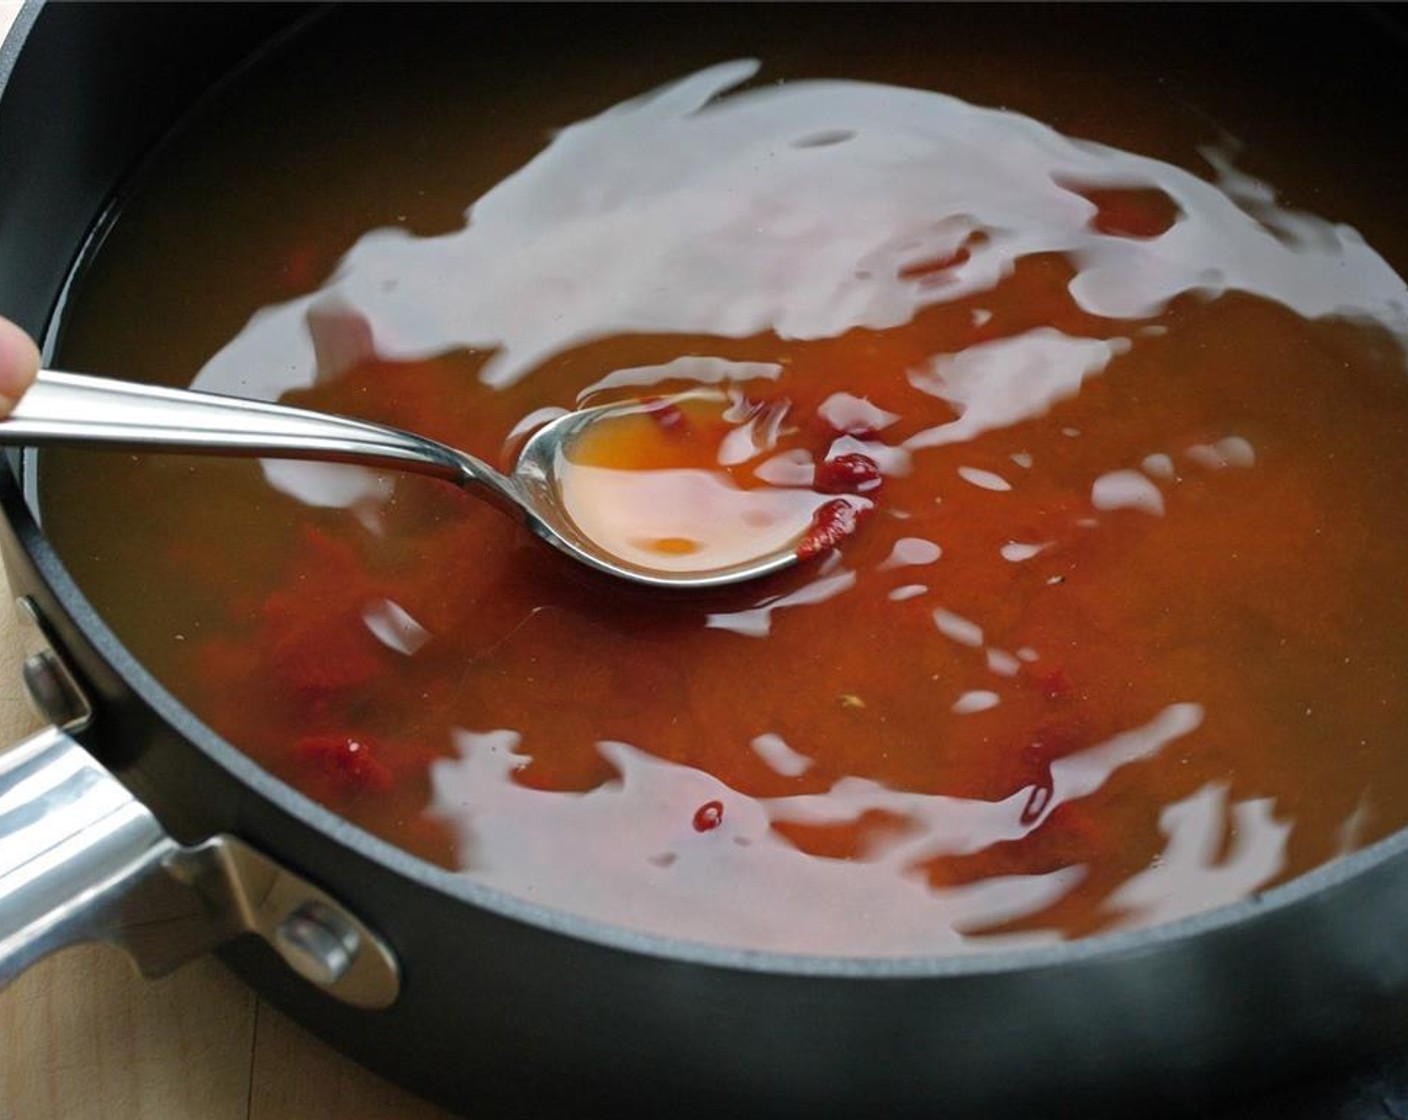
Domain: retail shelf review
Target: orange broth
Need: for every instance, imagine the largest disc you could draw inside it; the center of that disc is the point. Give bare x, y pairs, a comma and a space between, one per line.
1121, 635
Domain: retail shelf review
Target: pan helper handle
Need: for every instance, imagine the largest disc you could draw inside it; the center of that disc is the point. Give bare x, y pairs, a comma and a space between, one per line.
81, 859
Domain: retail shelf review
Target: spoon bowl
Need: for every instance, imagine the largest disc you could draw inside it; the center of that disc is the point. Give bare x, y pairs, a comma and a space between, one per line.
82, 410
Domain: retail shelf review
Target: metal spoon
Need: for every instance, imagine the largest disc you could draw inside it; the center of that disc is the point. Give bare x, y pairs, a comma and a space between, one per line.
77, 409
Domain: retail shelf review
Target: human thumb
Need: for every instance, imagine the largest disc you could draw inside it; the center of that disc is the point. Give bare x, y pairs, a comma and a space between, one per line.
19, 362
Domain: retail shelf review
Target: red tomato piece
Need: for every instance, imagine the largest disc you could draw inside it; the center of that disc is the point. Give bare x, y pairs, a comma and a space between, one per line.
851, 473
831, 524
709, 816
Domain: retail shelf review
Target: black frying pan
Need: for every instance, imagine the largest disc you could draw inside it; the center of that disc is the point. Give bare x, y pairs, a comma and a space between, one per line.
495, 1005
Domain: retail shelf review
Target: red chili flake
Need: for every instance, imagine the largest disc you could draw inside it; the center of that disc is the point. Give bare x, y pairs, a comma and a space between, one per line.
668, 416
831, 524
345, 761
851, 473
709, 816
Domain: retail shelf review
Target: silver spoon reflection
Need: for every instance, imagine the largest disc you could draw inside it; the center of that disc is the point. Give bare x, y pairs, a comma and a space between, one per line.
80, 410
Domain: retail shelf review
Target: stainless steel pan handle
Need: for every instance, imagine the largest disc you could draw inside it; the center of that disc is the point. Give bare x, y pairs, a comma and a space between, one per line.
81, 859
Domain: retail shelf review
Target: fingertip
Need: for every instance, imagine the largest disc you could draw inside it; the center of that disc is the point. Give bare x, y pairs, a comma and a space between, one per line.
19, 361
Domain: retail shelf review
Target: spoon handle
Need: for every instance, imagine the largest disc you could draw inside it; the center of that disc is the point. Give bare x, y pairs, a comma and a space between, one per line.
80, 410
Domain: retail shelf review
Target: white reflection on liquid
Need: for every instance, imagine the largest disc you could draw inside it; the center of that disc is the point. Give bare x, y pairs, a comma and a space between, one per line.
687, 211
854, 415
1233, 451
984, 480
327, 485
394, 627
756, 622
976, 700
700, 369
1014, 552
1125, 489
958, 629
912, 551
775, 751
741, 882
998, 384
1188, 877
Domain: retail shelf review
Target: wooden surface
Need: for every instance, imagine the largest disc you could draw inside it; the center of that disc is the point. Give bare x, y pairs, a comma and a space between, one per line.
85, 1038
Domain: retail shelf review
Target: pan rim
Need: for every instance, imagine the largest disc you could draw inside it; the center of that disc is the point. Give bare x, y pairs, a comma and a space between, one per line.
461, 888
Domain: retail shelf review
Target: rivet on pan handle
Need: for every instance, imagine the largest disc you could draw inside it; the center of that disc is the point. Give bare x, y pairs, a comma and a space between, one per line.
81, 859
